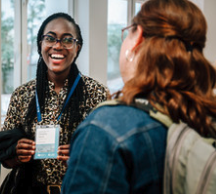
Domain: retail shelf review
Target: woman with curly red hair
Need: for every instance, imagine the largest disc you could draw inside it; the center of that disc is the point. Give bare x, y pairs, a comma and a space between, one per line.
121, 148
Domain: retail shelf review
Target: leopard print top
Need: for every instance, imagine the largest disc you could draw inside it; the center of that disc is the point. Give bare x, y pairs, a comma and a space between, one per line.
51, 171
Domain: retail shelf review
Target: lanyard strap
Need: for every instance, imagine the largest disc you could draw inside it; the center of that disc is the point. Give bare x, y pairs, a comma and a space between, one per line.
70, 94
38, 107
65, 104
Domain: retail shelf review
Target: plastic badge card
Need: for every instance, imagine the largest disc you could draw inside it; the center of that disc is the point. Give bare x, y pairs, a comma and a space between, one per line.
47, 141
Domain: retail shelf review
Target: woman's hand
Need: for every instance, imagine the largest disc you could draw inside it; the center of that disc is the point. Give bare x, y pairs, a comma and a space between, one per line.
25, 149
63, 152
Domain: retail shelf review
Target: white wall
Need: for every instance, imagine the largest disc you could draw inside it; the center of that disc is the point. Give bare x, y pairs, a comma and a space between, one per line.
199, 3
210, 14
208, 8
91, 15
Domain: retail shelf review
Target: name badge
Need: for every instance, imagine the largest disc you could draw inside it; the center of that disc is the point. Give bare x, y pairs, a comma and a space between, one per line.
47, 141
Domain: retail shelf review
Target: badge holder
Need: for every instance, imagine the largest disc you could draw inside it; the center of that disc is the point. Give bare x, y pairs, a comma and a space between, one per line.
47, 141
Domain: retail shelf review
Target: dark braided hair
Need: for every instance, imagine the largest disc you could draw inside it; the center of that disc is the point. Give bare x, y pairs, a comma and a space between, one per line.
72, 109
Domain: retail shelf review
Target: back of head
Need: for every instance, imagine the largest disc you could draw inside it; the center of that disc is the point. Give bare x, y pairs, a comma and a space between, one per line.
171, 69
178, 18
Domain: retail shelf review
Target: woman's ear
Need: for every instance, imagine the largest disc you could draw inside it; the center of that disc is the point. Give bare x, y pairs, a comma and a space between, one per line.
40, 43
78, 48
139, 37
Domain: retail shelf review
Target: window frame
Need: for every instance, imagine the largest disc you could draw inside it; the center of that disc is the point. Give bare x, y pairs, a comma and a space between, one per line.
0, 76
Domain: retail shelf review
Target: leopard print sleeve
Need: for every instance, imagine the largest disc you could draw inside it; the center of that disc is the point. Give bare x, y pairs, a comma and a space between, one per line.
18, 105
95, 92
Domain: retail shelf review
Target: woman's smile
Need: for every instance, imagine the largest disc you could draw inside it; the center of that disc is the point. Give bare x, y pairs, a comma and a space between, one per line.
57, 58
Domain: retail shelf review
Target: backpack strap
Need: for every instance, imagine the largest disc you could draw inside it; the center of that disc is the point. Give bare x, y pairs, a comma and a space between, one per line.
142, 104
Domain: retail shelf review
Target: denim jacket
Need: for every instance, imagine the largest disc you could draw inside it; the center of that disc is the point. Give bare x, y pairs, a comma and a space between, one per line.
116, 150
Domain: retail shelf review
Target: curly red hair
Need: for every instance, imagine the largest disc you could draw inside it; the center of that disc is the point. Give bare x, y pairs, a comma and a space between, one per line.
172, 70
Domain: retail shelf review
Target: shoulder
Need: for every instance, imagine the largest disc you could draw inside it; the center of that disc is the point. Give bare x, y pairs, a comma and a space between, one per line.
25, 89
118, 112
30, 85
118, 120
95, 91
92, 84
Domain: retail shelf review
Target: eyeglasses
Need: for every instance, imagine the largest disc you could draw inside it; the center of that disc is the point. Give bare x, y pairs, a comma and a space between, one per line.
125, 31
66, 42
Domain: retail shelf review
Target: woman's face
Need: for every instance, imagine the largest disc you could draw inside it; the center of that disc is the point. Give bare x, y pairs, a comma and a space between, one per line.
57, 58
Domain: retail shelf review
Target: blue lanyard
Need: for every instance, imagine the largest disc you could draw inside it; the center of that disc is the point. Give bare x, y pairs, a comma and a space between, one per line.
65, 104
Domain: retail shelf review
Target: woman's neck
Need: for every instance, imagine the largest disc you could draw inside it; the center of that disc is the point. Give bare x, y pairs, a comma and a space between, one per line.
58, 81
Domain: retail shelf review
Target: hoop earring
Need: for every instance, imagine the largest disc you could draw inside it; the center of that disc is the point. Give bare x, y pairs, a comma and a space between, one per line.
129, 55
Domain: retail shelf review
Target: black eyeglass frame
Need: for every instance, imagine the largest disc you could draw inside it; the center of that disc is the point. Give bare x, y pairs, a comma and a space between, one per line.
60, 41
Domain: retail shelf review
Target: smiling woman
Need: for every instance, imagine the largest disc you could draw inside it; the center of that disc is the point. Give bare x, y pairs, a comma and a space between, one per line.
60, 98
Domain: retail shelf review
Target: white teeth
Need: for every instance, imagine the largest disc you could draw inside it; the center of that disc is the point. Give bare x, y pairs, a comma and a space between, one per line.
57, 56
